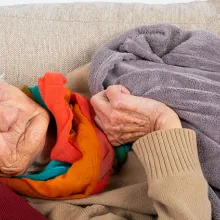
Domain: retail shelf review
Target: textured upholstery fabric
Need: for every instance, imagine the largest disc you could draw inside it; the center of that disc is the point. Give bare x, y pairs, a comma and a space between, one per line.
60, 37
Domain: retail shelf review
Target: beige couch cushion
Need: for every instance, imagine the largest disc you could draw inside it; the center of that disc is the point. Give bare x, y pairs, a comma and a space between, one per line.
60, 37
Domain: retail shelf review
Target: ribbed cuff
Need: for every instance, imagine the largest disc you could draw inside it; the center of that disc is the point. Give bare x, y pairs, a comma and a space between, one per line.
168, 152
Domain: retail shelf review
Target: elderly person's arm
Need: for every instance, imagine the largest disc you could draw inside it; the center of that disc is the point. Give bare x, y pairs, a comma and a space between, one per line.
175, 180
167, 152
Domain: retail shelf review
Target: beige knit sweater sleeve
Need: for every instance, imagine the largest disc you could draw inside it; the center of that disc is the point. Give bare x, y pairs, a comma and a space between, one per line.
176, 183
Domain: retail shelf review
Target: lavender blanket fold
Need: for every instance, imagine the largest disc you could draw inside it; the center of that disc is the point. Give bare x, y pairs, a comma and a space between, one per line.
178, 67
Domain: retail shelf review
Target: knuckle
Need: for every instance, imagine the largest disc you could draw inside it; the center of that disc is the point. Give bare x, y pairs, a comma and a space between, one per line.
122, 139
110, 139
113, 141
93, 100
118, 104
107, 127
110, 88
113, 119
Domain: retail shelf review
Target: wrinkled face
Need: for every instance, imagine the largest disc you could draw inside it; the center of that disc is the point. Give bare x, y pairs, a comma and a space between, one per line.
23, 129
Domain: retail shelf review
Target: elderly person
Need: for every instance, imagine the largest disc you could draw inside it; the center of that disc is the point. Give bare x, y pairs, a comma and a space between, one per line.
161, 179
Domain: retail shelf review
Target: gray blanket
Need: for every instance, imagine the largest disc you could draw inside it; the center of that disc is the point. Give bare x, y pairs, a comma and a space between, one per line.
178, 67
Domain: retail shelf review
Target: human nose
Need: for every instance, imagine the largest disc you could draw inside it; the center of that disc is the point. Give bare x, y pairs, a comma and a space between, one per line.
8, 116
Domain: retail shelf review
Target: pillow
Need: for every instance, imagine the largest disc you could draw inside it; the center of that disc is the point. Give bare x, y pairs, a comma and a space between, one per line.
38, 38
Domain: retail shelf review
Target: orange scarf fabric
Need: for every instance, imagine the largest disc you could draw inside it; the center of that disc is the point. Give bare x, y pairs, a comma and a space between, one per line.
79, 142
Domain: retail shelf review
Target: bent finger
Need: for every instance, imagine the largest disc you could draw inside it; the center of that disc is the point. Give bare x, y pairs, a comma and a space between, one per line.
113, 92
100, 102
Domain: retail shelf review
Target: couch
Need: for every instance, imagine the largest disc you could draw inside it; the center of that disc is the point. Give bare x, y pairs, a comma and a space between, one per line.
38, 38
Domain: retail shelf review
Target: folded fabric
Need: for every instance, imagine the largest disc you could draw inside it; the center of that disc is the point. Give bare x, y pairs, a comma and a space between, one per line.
179, 68
57, 168
35, 94
79, 142
53, 169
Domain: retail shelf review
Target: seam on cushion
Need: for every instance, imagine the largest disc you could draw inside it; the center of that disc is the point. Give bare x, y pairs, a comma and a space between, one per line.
81, 21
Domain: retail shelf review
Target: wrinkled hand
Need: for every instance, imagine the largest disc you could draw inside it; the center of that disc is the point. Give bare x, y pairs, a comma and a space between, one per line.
125, 118
23, 128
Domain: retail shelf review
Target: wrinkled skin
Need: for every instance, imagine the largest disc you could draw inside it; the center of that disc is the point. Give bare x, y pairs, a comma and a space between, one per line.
125, 118
25, 137
23, 129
